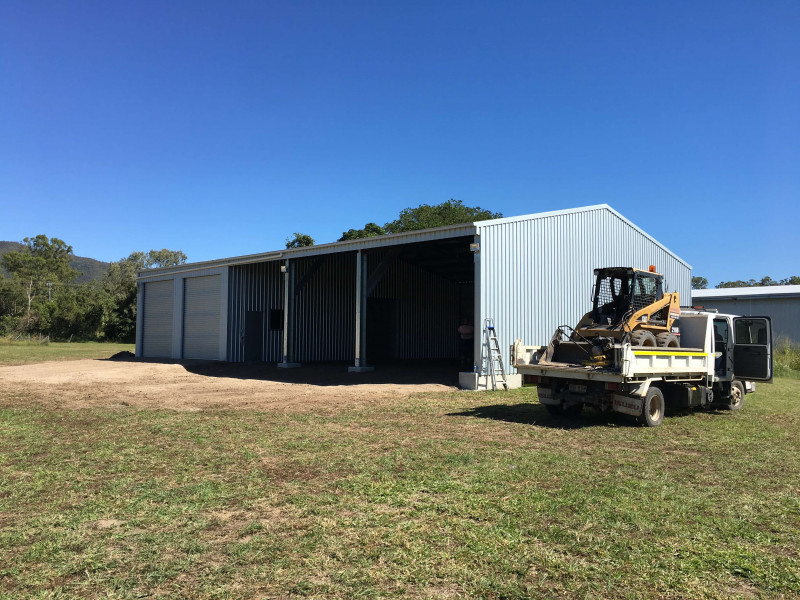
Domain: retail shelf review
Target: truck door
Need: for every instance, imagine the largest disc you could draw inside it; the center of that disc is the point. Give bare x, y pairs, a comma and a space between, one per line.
752, 349
722, 349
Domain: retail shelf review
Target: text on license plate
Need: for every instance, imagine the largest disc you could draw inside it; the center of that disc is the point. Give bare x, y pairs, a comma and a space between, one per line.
578, 388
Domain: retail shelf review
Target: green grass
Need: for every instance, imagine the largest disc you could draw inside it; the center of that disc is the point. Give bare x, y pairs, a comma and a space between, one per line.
23, 352
476, 495
786, 358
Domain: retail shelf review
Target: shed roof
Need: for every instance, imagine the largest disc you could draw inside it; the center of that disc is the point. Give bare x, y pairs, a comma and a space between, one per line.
762, 291
393, 239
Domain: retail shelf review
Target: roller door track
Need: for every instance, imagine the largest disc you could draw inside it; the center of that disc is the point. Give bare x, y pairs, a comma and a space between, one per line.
157, 334
201, 314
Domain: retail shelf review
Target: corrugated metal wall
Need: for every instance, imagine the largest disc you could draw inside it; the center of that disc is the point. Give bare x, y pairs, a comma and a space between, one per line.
427, 308
325, 309
538, 273
784, 312
254, 287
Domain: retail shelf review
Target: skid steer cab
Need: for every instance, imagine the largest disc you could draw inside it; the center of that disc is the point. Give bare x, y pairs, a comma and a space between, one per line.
630, 305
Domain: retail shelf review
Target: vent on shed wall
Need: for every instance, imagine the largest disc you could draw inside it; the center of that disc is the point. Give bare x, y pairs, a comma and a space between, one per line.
157, 334
201, 315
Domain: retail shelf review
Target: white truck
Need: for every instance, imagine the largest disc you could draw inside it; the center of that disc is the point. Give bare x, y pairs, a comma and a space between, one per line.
719, 359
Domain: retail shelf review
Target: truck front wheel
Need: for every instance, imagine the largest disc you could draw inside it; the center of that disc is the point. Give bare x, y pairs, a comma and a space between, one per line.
737, 396
653, 412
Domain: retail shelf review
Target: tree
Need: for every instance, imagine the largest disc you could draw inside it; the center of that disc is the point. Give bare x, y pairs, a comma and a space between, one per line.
80, 312
370, 230
162, 258
425, 216
300, 240
699, 283
39, 269
12, 304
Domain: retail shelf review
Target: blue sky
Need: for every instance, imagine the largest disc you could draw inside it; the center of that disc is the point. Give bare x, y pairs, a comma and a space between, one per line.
219, 128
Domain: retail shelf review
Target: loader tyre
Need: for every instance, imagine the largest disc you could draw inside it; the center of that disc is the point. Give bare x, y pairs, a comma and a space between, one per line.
737, 396
653, 412
642, 337
667, 340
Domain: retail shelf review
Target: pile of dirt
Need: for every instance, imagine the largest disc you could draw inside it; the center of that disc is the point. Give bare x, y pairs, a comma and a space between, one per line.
124, 355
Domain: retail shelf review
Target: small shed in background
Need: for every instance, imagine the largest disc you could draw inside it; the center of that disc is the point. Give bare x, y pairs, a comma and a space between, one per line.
779, 302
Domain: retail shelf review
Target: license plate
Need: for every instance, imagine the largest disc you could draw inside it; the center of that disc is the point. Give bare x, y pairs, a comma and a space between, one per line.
544, 392
577, 388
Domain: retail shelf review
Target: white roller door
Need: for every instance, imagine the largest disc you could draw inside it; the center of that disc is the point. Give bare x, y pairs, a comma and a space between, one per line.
201, 315
157, 332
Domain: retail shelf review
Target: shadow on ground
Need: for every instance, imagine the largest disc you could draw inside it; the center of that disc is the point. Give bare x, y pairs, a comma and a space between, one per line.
443, 372
529, 413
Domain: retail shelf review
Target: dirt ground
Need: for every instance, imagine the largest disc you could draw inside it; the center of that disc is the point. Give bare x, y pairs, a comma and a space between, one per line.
199, 385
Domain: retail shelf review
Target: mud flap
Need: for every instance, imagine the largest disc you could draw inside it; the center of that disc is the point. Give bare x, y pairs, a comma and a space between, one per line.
545, 395
629, 405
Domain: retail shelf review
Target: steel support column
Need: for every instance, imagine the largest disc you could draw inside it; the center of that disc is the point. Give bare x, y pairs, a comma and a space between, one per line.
361, 315
289, 355
477, 309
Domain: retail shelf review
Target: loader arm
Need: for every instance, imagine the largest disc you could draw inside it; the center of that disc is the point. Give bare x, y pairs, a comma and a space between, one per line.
658, 316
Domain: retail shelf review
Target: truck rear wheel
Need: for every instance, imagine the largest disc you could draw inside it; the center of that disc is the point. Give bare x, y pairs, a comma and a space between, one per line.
641, 337
667, 340
736, 399
653, 412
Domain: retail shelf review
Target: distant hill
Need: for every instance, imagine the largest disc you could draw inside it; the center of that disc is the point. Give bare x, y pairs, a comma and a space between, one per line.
89, 268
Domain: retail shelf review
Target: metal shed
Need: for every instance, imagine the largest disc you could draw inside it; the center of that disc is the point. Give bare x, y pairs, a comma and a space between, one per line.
394, 297
779, 302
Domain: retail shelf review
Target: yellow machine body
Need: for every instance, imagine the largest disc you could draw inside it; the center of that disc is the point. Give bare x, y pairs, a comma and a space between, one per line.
637, 304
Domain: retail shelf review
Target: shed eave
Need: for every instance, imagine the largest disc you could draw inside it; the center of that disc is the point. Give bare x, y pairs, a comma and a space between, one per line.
391, 239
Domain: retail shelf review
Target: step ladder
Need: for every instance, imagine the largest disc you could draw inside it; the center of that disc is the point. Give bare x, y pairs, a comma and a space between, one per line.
496, 369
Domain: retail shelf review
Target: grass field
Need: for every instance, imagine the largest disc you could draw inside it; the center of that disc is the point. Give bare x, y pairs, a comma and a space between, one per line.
479, 495
23, 352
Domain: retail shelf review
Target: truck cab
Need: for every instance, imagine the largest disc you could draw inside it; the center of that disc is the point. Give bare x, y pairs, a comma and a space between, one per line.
742, 348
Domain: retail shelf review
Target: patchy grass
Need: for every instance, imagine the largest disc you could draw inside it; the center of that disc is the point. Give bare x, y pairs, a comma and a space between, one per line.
20, 353
786, 358
447, 495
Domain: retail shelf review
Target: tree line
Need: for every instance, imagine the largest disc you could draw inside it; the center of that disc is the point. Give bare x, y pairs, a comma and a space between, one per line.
41, 296
701, 283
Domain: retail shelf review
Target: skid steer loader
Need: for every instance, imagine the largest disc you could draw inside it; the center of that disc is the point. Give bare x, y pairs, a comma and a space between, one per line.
628, 306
